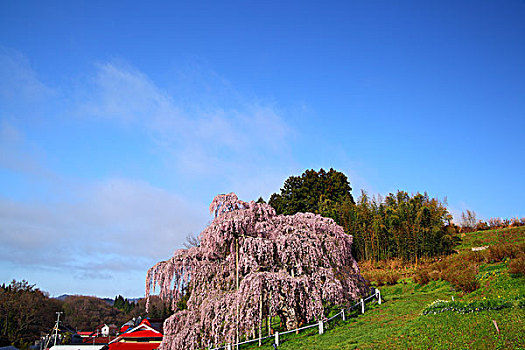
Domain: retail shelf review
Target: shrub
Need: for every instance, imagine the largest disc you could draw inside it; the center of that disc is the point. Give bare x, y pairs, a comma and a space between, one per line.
495, 223
477, 256
382, 277
481, 226
463, 277
391, 277
371, 276
461, 270
458, 271
517, 265
422, 276
499, 252
395, 264
434, 275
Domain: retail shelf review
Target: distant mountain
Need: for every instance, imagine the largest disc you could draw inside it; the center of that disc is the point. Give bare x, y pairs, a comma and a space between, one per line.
63, 296
112, 301
107, 300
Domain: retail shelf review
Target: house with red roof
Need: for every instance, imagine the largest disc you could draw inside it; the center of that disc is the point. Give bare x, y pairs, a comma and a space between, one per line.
85, 334
142, 337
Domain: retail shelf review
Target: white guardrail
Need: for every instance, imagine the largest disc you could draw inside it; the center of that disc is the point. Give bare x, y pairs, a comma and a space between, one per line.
321, 324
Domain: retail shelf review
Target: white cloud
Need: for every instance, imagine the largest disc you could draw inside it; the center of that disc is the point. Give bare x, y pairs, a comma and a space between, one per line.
247, 139
134, 212
104, 227
18, 80
123, 93
113, 223
21, 156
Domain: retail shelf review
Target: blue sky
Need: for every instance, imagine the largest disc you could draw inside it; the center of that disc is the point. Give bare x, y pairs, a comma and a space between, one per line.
120, 121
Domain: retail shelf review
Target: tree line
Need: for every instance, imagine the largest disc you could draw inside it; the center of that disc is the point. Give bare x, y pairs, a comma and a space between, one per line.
27, 313
401, 225
469, 223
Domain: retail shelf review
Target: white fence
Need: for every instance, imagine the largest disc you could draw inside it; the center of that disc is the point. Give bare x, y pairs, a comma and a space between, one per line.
321, 324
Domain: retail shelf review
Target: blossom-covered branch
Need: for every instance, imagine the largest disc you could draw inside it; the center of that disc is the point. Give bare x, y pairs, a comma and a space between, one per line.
252, 264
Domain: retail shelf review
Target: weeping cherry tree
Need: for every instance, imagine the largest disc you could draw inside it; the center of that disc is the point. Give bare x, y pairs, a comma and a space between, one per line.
252, 265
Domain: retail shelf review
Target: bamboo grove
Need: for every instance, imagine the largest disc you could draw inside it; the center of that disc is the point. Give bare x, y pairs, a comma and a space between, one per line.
400, 225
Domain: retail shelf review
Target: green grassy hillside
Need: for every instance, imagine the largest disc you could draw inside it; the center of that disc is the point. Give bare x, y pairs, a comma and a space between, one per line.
498, 300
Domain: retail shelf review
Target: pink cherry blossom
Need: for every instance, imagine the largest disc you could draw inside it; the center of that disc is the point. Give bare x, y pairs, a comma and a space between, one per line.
252, 263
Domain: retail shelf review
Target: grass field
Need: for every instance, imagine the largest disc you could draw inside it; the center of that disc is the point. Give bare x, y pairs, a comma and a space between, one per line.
399, 323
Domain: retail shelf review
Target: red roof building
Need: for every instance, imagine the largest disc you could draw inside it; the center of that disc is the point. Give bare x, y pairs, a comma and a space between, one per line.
85, 334
102, 334
97, 340
142, 337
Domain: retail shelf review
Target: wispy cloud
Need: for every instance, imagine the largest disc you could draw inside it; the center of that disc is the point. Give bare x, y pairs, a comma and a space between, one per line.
21, 156
115, 220
19, 81
103, 227
247, 138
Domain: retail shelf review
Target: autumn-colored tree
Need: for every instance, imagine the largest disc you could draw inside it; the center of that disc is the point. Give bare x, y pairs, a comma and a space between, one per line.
86, 313
468, 219
158, 308
25, 312
253, 264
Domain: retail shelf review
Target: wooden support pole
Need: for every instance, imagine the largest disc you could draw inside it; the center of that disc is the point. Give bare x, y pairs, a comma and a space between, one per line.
237, 289
343, 313
362, 306
260, 318
269, 314
277, 338
321, 327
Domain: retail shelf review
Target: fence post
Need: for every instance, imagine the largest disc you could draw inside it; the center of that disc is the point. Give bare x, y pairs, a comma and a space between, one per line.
321, 327
378, 296
344, 317
276, 338
229, 347
362, 306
